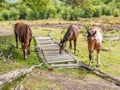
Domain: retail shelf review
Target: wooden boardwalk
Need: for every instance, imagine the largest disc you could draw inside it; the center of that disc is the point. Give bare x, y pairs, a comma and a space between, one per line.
49, 51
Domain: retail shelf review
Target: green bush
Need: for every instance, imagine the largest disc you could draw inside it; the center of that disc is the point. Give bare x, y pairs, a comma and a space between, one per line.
65, 14
88, 13
32, 15
23, 11
116, 13
97, 12
43, 13
14, 14
106, 10
1, 18
5, 14
52, 12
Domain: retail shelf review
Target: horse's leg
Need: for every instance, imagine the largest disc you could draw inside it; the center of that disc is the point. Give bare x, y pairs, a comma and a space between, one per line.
25, 54
70, 45
16, 37
98, 58
75, 46
90, 57
29, 47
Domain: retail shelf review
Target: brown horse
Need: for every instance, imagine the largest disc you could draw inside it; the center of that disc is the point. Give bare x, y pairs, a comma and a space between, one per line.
71, 34
94, 43
24, 33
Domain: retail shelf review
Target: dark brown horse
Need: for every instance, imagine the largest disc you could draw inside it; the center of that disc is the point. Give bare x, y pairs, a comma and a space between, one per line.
24, 34
71, 34
94, 39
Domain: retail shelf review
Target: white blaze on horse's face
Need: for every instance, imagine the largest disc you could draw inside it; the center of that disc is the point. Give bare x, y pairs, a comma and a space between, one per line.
62, 46
91, 40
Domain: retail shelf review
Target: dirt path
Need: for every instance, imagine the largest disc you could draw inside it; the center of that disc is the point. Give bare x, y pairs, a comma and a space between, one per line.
5, 31
66, 82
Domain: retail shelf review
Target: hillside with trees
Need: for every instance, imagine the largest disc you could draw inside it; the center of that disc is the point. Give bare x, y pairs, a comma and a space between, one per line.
65, 9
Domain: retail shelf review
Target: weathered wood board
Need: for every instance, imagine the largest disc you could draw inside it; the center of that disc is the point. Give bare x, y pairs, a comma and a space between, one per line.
50, 50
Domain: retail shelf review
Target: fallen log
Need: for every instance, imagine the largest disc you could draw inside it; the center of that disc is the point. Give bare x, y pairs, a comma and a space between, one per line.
13, 75
100, 73
11, 50
2, 56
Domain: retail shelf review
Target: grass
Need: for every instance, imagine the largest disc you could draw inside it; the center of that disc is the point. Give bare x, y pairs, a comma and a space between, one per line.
109, 59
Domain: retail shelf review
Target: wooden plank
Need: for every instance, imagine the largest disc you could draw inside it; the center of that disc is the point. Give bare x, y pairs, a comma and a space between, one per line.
49, 42
59, 61
42, 38
49, 58
49, 45
45, 40
54, 52
57, 54
66, 66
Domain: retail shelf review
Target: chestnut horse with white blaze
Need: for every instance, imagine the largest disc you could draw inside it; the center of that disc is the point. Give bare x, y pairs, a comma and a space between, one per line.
24, 34
94, 40
71, 34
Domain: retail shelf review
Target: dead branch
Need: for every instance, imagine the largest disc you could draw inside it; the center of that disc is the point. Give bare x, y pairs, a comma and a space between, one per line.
2, 56
105, 49
13, 75
101, 74
11, 50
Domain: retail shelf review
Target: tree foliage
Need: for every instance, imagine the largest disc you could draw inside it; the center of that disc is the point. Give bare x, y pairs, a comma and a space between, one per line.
65, 9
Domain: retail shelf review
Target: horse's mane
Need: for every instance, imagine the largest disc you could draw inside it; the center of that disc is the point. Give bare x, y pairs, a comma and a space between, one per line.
66, 36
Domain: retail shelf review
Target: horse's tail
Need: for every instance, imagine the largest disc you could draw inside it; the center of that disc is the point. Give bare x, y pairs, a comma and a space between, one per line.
28, 35
15, 27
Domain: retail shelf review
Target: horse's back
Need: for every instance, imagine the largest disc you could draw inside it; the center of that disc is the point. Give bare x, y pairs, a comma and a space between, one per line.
19, 26
74, 30
22, 30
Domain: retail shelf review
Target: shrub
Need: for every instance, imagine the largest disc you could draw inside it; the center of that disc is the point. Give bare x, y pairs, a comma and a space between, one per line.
23, 11
87, 13
51, 12
1, 18
97, 12
116, 13
5, 14
13, 14
32, 15
106, 10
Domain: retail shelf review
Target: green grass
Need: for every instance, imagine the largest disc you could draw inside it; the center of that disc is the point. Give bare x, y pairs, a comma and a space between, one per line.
17, 61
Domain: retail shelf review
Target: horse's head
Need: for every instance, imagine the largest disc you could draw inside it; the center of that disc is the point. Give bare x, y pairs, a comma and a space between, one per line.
62, 45
91, 40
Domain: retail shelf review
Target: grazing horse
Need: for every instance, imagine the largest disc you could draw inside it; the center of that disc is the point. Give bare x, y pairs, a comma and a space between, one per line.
71, 34
94, 40
24, 34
